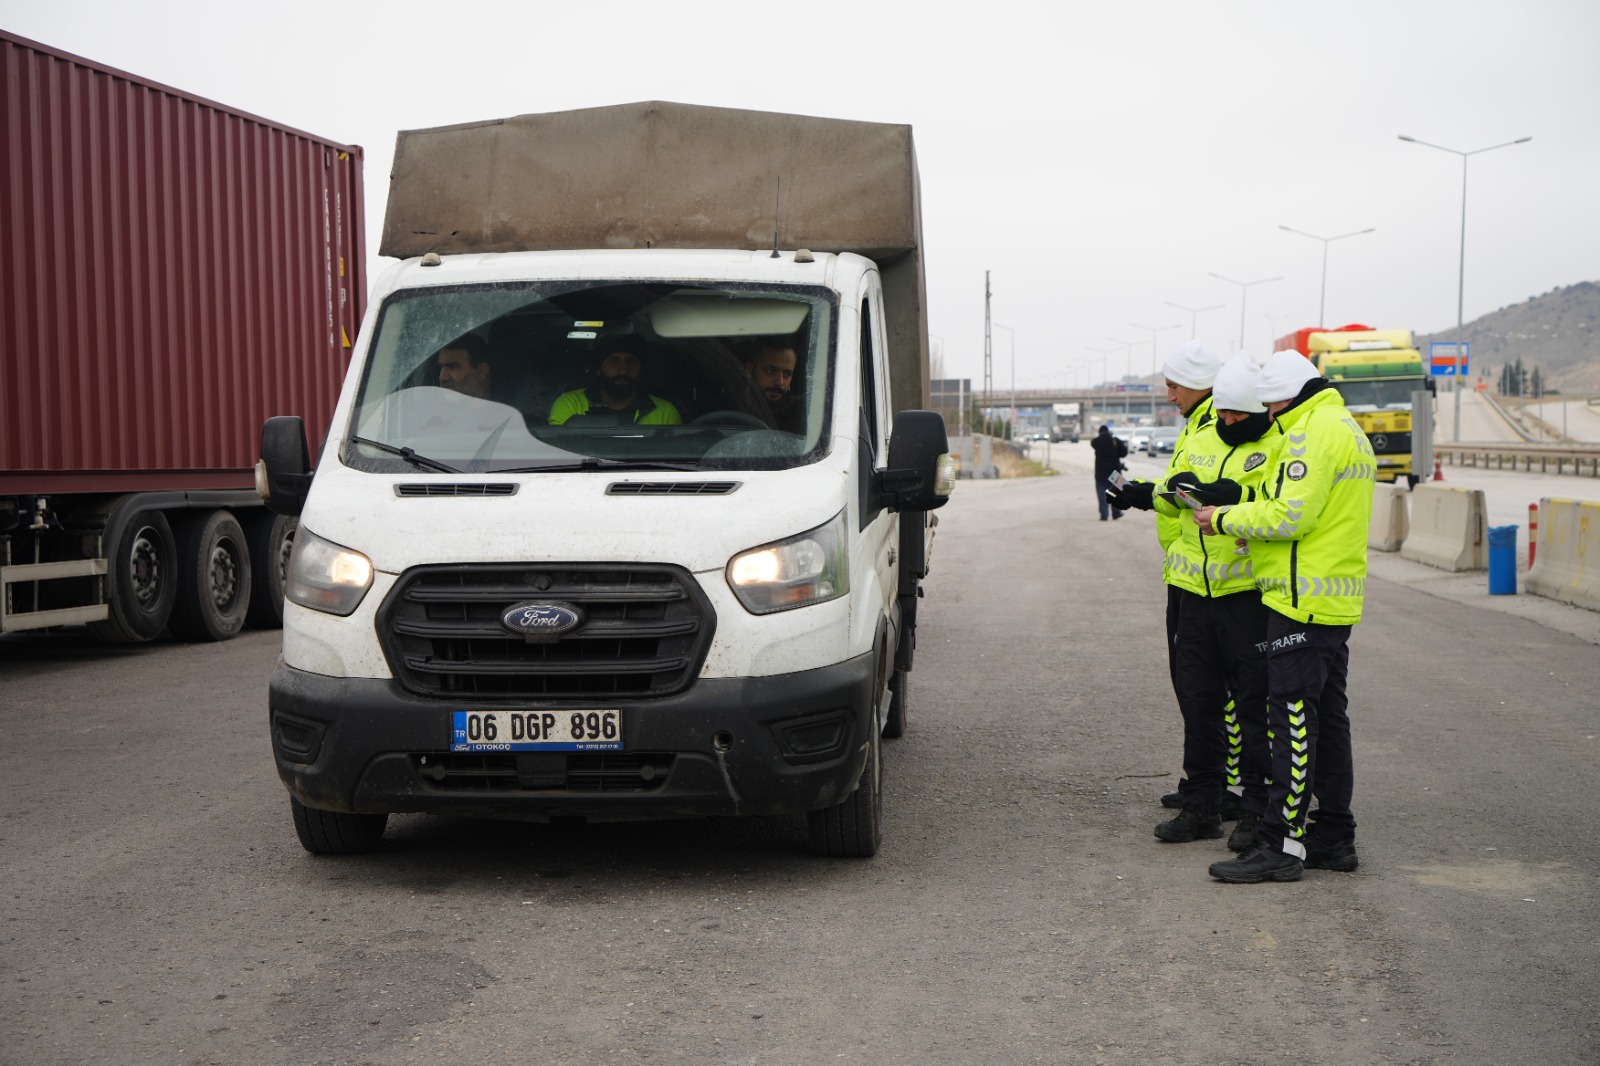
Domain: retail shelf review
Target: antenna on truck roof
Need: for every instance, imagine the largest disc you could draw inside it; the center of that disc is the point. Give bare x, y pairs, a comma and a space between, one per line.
777, 208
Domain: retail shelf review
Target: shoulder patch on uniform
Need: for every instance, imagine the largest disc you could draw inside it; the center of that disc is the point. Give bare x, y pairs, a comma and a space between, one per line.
1255, 460
1295, 471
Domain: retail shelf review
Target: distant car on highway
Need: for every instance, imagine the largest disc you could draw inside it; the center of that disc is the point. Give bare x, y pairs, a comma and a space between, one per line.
1138, 438
1161, 441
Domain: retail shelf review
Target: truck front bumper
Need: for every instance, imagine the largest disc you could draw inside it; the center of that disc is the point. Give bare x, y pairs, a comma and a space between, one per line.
748, 746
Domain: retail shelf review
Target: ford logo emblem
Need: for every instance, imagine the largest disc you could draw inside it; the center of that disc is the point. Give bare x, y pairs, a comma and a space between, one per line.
540, 621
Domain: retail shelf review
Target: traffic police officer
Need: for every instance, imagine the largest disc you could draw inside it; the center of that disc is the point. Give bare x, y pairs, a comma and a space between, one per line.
1308, 541
1189, 372
1220, 669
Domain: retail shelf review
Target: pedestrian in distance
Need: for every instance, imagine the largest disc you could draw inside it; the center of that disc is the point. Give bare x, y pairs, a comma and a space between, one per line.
1308, 542
1109, 451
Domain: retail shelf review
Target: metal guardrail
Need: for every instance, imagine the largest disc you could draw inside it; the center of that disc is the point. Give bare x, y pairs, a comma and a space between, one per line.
1582, 459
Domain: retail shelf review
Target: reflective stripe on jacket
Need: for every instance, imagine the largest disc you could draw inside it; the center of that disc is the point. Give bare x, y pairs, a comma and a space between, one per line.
1309, 536
1209, 566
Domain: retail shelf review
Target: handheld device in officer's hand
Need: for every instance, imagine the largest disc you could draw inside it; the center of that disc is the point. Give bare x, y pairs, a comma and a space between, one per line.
1188, 499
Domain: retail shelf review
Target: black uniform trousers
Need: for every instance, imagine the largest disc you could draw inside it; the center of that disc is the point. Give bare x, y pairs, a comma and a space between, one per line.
1308, 721
1217, 651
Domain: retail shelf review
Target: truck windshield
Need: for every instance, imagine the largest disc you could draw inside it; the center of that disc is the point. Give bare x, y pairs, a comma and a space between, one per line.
557, 375
1374, 394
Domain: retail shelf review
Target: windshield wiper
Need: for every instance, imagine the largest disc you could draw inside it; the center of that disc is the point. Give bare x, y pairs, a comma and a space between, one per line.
594, 463
408, 455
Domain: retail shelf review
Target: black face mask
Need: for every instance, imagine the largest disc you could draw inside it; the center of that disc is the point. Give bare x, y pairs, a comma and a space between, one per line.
1253, 427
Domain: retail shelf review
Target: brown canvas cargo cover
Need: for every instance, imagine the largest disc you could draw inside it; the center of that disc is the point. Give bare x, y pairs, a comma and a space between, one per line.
667, 175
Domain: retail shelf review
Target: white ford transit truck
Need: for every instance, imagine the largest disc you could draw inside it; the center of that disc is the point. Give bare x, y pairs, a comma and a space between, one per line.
624, 506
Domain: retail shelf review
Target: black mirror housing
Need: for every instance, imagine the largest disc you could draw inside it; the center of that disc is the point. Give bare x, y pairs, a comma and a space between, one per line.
917, 478
283, 476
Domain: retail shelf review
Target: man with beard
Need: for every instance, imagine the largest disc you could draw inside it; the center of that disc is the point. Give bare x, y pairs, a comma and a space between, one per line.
615, 398
770, 365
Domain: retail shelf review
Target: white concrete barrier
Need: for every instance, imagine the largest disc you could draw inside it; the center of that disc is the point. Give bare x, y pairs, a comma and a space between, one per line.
1568, 564
1389, 518
1449, 528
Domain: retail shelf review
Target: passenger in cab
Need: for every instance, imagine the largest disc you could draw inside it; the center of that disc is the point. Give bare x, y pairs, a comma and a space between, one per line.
616, 397
464, 366
770, 365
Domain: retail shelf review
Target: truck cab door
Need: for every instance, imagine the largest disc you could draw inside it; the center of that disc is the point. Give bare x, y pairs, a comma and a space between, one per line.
879, 526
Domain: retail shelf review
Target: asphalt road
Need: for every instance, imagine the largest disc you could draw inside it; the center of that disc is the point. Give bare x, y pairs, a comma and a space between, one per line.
160, 909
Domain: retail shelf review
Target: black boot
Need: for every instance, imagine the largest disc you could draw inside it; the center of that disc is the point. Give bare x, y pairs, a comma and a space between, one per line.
1229, 809
1256, 865
1192, 823
1321, 856
1243, 837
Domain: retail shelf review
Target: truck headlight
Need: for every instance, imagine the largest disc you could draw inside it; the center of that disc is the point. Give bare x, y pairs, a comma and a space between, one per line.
810, 567
325, 577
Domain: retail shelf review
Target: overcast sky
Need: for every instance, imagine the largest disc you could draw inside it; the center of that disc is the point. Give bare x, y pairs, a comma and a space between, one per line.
1099, 159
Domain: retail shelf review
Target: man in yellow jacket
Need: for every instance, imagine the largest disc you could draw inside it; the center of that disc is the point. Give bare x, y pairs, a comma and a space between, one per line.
1308, 544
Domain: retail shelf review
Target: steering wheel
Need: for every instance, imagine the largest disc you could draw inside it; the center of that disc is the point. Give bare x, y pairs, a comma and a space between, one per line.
730, 418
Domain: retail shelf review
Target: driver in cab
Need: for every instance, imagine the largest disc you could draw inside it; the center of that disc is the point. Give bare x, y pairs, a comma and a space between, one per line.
615, 397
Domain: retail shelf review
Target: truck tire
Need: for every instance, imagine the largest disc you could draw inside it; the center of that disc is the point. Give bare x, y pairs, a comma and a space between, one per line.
853, 829
214, 590
334, 832
142, 585
270, 536
894, 726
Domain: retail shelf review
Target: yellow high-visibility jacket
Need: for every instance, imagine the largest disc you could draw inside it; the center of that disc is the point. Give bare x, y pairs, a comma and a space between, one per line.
1308, 538
1210, 566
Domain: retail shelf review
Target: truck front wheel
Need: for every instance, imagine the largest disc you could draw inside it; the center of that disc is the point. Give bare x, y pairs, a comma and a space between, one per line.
334, 832
142, 583
215, 591
853, 829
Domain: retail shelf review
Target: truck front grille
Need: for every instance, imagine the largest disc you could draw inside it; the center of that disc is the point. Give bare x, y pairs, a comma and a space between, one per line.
645, 632
1390, 443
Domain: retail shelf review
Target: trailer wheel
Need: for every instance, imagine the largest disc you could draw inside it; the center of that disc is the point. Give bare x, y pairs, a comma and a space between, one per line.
271, 537
214, 593
853, 829
142, 585
334, 832
894, 726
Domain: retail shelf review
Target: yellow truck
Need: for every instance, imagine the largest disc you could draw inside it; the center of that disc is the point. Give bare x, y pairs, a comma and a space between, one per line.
1376, 371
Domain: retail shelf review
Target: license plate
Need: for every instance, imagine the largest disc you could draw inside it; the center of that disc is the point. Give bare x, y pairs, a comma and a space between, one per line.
583, 730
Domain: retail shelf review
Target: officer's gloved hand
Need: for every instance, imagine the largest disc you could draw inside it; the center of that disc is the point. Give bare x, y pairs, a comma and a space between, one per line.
1222, 492
1134, 496
1184, 479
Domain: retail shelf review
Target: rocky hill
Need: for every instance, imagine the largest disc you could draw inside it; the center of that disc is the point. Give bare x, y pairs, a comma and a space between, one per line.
1558, 331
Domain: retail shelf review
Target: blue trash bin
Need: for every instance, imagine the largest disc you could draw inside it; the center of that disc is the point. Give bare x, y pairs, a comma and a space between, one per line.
1502, 560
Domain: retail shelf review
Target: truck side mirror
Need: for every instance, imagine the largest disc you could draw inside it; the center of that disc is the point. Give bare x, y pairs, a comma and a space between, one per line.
283, 475
921, 472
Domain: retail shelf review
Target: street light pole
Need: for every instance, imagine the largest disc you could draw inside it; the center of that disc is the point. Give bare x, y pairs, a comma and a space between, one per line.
1153, 331
1127, 406
1244, 288
1322, 305
1194, 315
1461, 280
1272, 326
1013, 334
1105, 366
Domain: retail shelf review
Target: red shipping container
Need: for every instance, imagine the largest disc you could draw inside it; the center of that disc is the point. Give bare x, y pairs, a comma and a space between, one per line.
172, 273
